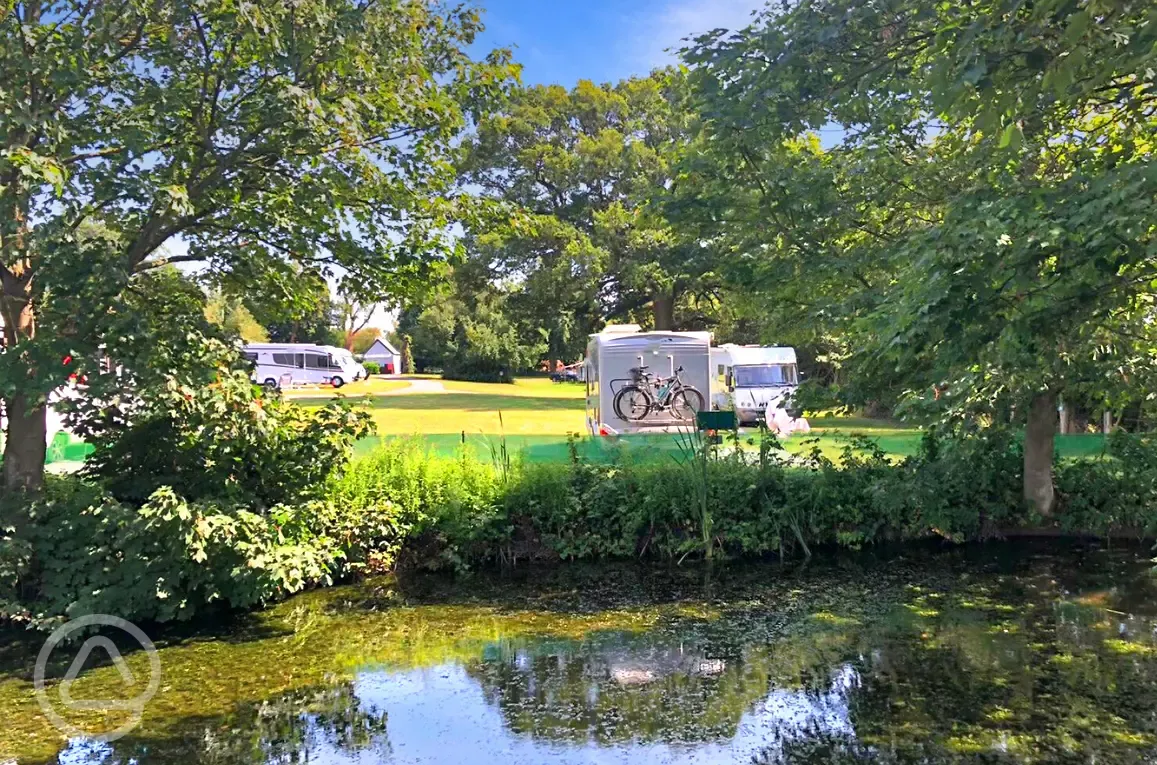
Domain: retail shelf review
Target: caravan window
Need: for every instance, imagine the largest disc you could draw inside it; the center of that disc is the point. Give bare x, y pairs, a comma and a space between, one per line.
316, 361
765, 376
283, 359
250, 356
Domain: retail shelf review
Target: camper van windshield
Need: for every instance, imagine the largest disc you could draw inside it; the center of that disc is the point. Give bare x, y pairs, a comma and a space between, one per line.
765, 375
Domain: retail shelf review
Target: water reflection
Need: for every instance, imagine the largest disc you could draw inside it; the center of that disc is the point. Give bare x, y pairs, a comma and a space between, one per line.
322, 725
446, 715
1052, 661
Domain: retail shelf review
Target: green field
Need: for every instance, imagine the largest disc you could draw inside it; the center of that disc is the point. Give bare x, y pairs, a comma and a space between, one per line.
534, 416
370, 387
529, 407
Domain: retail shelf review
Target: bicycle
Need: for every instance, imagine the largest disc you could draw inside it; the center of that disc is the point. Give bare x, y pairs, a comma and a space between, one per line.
635, 402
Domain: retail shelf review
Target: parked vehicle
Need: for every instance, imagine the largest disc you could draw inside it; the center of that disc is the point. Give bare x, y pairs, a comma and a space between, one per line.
347, 357
612, 355
752, 379
279, 364
569, 373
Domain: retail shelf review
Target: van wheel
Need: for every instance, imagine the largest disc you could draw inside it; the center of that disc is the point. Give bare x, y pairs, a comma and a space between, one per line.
336, 382
270, 385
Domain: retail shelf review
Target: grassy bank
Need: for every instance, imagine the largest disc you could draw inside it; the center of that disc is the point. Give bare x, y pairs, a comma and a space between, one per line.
535, 415
463, 509
180, 545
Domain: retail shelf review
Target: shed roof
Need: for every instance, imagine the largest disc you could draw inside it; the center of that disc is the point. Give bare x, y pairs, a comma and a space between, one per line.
380, 347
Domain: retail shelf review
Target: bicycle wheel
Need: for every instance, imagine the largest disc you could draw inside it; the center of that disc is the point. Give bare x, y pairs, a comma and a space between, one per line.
686, 403
632, 403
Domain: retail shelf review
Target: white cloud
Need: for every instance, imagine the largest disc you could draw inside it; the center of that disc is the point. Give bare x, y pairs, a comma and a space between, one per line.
654, 35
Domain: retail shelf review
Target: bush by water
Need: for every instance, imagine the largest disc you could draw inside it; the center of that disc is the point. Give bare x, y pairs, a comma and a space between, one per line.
94, 544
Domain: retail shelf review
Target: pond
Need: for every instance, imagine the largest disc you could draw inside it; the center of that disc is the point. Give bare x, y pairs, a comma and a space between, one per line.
995, 653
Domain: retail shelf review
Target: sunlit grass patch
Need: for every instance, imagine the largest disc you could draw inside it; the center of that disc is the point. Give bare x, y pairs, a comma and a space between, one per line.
826, 617
1130, 648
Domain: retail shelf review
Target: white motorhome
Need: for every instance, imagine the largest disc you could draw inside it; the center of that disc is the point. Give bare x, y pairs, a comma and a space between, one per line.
611, 355
751, 378
278, 365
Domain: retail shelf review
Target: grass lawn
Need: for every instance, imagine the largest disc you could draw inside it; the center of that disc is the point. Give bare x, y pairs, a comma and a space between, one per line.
523, 387
369, 387
529, 407
535, 414
902, 440
476, 413
834, 433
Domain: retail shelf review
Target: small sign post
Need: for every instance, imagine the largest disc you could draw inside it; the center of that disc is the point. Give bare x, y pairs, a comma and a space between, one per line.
714, 424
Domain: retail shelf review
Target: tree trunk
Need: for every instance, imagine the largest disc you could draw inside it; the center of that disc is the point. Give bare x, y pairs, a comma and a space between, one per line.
25, 446
663, 309
407, 356
1038, 453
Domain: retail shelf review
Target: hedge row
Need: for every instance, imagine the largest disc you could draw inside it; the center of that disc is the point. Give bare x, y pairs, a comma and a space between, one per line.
79, 550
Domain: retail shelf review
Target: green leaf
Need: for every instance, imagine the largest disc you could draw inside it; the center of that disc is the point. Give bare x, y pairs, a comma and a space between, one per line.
976, 72
1078, 25
1012, 137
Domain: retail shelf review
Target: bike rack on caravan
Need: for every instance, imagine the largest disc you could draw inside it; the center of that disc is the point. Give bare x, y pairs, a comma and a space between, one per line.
613, 352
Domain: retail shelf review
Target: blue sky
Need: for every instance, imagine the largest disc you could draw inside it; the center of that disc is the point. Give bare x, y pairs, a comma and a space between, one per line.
563, 41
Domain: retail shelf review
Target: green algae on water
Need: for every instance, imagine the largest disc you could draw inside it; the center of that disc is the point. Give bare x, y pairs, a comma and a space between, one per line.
999, 654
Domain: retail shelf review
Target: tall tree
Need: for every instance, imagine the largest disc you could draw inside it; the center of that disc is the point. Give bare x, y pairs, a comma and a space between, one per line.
354, 316
295, 307
577, 171
364, 339
230, 314
315, 133
993, 188
466, 332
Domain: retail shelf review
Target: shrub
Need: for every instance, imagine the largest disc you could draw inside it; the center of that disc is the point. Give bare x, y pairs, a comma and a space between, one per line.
967, 486
78, 551
225, 440
961, 488
202, 489
166, 400
463, 510
1116, 493
400, 493
372, 367
407, 356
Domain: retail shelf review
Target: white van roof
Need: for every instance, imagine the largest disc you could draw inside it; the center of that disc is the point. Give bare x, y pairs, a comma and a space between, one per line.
754, 355
281, 346
652, 340
293, 347
620, 329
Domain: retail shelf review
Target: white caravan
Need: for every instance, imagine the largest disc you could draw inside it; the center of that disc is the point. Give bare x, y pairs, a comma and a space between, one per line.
278, 365
752, 379
347, 358
612, 353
